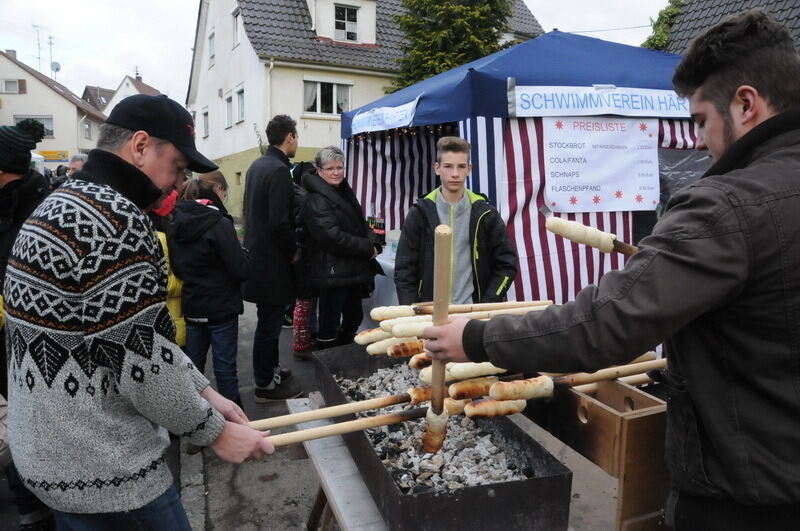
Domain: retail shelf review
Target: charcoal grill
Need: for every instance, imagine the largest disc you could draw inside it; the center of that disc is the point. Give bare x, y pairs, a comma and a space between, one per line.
540, 502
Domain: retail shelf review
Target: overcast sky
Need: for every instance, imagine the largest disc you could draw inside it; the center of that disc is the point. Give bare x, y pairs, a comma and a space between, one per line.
98, 43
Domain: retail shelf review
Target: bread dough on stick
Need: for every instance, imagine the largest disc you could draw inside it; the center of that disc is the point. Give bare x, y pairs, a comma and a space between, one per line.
493, 408
381, 313
419, 394
371, 336
579, 233
435, 431
462, 371
410, 329
455, 407
538, 387
420, 361
388, 324
475, 388
406, 349
381, 346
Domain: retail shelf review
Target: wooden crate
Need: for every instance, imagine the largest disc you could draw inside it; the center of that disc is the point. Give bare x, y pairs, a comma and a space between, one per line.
620, 429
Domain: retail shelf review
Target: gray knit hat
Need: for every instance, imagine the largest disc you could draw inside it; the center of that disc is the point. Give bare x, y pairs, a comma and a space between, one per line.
16, 143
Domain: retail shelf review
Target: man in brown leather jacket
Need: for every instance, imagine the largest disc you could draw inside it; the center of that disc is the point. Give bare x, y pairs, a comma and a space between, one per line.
718, 281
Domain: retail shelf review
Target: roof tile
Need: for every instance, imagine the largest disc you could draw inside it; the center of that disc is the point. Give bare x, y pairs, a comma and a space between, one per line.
283, 30
698, 15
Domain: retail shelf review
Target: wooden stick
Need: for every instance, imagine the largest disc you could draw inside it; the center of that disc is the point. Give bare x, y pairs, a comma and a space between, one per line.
610, 373
480, 307
634, 380
330, 412
442, 277
647, 356
625, 248
386, 313
310, 434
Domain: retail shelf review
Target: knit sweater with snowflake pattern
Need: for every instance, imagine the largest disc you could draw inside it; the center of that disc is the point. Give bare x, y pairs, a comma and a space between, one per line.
95, 375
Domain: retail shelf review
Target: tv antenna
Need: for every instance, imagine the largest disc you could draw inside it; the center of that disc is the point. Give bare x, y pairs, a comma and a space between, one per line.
50, 42
37, 27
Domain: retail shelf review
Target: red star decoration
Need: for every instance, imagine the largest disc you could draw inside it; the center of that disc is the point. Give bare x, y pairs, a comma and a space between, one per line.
573, 200
650, 135
639, 198
559, 125
642, 127
596, 199
618, 194
654, 201
553, 203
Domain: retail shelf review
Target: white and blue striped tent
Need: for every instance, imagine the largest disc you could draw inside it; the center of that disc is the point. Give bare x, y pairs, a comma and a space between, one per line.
390, 148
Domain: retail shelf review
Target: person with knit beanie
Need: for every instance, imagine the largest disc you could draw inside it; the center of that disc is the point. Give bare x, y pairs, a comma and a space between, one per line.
21, 191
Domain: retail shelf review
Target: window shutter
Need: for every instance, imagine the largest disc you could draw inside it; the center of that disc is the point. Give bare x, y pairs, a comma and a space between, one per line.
21, 88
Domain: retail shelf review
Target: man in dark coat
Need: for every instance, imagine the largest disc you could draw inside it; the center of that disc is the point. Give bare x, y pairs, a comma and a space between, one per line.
718, 279
270, 239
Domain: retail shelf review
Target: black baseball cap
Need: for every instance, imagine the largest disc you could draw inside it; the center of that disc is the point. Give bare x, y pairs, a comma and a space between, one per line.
162, 118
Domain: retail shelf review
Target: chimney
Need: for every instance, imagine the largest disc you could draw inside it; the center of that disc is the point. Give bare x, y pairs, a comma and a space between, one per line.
12, 53
138, 77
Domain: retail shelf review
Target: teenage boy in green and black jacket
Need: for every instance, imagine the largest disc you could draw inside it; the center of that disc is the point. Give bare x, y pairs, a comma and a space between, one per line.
484, 261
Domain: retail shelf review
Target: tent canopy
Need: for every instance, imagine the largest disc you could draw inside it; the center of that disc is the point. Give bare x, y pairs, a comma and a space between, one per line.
479, 88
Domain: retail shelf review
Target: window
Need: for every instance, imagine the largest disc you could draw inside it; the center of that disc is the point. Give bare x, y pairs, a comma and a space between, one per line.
87, 130
326, 98
228, 110
346, 23
211, 50
240, 105
236, 28
103, 100
205, 123
46, 121
10, 86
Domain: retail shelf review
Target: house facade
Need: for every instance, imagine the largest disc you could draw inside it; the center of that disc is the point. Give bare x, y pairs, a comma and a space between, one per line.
71, 124
129, 86
310, 59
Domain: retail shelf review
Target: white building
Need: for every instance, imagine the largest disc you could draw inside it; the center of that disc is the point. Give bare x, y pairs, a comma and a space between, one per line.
129, 86
71, 124
310, 59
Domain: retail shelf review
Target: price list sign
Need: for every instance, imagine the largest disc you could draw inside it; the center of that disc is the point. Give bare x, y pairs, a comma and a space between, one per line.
600, 164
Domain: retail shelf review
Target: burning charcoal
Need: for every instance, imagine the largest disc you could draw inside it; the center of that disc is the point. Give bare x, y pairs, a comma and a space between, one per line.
528, 471
394, 427
512, 466
377, 437
429, 466
419, 489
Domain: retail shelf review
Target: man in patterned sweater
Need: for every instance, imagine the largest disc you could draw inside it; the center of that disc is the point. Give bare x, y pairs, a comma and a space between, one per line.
95, 375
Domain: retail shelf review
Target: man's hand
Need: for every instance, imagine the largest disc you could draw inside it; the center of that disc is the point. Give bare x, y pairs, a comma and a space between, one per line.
237, 443
444, 342
228, 408
296, 257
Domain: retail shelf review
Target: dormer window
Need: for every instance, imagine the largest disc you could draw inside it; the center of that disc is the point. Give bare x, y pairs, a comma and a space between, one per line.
346, 23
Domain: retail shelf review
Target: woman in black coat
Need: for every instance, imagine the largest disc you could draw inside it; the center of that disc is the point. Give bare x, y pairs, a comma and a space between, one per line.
339, 265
